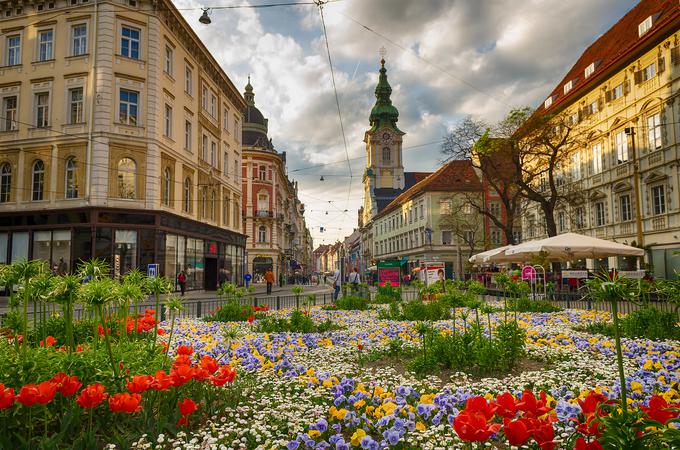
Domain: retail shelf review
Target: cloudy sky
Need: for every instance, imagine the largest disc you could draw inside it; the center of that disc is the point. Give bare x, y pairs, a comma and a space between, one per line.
445, 59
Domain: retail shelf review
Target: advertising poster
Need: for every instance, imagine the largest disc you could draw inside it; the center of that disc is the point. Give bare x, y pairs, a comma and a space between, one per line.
389, 271
434, 272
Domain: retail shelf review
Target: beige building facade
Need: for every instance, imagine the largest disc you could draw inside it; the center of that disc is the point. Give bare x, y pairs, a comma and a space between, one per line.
122, 133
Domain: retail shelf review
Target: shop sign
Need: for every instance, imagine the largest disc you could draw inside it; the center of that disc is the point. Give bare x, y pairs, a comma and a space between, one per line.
529, 273
579, 274
152, 270
389, 271
433, 272
632, 274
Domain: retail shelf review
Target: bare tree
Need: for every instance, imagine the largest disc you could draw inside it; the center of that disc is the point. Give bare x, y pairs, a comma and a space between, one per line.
464, 222
497, 168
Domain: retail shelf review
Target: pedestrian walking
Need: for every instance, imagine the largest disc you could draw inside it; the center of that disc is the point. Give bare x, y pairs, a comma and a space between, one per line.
182, 281
355, 279
269, 278
337, 282
247, 277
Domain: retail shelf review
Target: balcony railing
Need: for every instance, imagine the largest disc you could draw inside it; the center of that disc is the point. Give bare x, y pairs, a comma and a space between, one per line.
656, 157
263, 213
659, 223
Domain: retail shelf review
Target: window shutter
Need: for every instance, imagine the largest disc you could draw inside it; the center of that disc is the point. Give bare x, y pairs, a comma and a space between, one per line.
661, 65
600, 103
675, 56
608, 96
626, 87
638, 77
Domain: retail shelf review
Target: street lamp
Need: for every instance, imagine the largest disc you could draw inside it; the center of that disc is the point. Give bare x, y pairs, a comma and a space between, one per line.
205, 19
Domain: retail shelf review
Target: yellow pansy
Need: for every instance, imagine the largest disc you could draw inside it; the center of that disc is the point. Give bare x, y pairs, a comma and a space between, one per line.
314, 433
427, 399
420, 426
359, 403
357, 437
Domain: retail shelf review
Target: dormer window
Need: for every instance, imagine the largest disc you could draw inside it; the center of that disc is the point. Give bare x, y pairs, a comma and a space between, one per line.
548, 101
568, 86
644, 26
589, 70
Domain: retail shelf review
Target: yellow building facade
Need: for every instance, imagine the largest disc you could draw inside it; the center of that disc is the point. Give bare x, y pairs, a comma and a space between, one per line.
119, 139
625, 103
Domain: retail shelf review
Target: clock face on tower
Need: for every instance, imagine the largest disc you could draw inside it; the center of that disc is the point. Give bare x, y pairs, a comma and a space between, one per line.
386, 136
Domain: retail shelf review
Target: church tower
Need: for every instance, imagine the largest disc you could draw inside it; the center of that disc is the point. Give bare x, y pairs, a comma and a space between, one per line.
384, 175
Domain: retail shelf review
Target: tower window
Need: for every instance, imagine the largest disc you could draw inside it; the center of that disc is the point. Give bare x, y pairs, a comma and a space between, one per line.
386, 154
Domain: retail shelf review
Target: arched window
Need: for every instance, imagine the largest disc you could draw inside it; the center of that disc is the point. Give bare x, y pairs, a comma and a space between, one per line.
5, 183
213, 201
127, 178
263, 173
167, 180
38, 180
262, 234
386, 154
70, 180
187, 195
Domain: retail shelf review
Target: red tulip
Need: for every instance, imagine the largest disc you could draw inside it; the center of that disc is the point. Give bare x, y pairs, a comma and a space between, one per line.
91, 396
6, 397
472, 426
360, 347
506, 405
592, 401
251, 318
182, 360
125, 402
41, 394
48, 342
225, 375
182, 374
660, 410
581, 444
544, 434
67, 386
185, 350
162, 381
209, 363
480, 405
532, 407
516, 431
140, 384
187, 406
161, 332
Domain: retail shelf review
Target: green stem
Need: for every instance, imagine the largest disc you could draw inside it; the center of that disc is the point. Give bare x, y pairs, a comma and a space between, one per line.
172, 329
619, 358
107, 341
158, 314
25, 324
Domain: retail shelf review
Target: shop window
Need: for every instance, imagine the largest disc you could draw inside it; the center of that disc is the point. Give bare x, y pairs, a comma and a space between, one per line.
125, 253
4, 241
19, 250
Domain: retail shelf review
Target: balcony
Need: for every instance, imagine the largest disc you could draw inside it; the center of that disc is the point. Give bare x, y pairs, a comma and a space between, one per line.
596, 179
655, 158
264, 213
622, 170
626, 228
659, 223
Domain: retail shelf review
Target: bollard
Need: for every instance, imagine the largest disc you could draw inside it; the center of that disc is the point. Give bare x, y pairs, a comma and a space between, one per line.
278, 302
255, 302
297, 302
324, 298
198, 308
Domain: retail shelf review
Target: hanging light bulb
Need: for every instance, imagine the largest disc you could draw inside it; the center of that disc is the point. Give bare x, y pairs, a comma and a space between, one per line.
321, 179
205, 19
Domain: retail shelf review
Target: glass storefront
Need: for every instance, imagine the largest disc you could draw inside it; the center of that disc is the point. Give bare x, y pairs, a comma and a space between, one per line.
19, 246
4, 238
53, 247
125, 255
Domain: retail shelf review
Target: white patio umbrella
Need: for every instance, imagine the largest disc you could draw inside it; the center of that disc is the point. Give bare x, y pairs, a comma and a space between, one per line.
483, 257
570, 247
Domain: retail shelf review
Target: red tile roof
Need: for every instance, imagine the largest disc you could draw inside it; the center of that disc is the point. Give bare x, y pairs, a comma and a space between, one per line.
454, 176
615, 47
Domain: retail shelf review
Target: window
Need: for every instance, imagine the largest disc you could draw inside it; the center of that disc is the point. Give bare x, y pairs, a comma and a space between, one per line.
658, 200
213, 202
644, 26
548, 101
576, 166
594, 107
386, 154
75, 99
127, 178
42, 110
225, 164
422, 215
446, 237
263, 173
237, 214
597, 159
13, 50
9, 113
204, 148
5, 182
188, 80
128, 107
79, 39
213, 104
621, 140
204, 202
168, 60
579, 217
495, 236
648, 72
617, 92
626, 212
494, 208
589, 70
129, 42
445, 207
600, 219
225, 207
213, 154
568, 86
237, 130
225, 119
262, 235
168, 120
38, 181
45, 45
263, 202
561, 221
167, 186
187, 195
204, 98
187, 135
654, 131
70, 179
